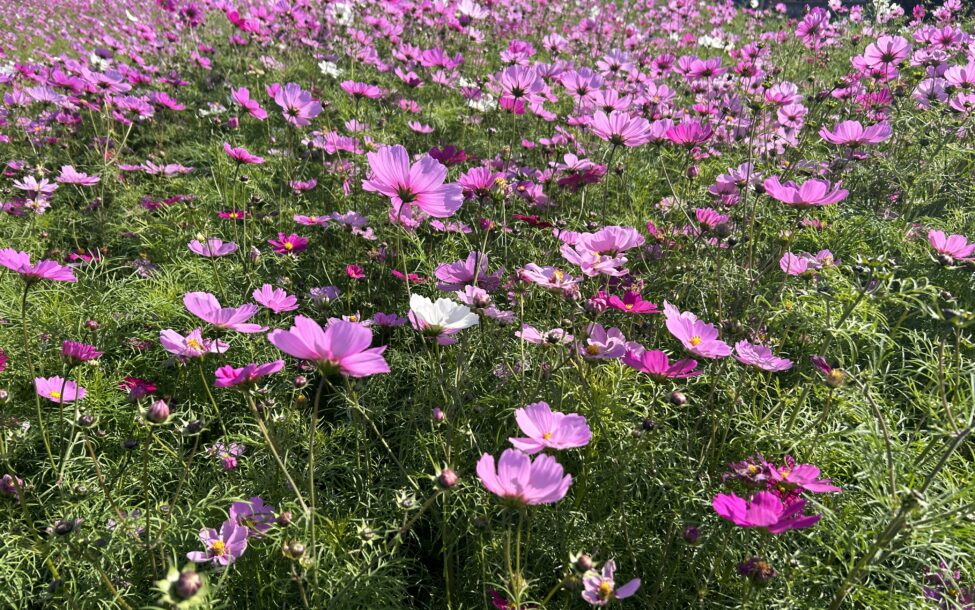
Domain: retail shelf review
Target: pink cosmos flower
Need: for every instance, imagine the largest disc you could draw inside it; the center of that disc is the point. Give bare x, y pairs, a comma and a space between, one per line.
620, 128
600, 588
56, 389
556, 336
761, 357
765, 510
241, 154
603, 344
593, 263
887, 52
689, 133
253, 514
811, 193
548, 277
214, 246
288, 244
227, 376
41, 270
954, 247
222, 548
69, 175
699, 338
420, 184
472, 271
361, 90
657, 365
192, 345
608, 240
518, 479
341, 347
852, 133
794, 476
313, 220
243, 97
632, 302
297, 106
76, 353
275, 299
798, 264
206, 307
548, 429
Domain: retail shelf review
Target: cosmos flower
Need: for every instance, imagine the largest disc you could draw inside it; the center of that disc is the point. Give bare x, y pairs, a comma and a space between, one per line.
632, 302
420, 184
275, 299
953, 247
811, 193
242, 155
214, 246
192, 345
852, 133
657, 365
555, 336
288, 244
603, 344
242, 96
227, 376
621, 128
764, 510
253, 514
206, 307
548, 429
600, 588
521, 481
297, 106
41, 270
69, 175
221, 548
472, 271
76, 353
441, 318
760, 357
341, 347
57, 389
698, 337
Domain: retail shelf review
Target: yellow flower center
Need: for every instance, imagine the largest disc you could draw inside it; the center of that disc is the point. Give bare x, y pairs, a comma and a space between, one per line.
592, 350
605, 589
194, 344
547, 435
558, 275
695, 341
288, 245
629, 305
313, 218
752, 469
219, 548
56, 394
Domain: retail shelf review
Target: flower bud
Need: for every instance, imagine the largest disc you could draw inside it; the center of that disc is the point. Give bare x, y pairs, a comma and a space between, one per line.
677, 398
158, 412
187, 585
92, 324
86, 420
692, 535
130, 443
447, 478
300, 381
293, 549
438, 415
285, 518
582, 563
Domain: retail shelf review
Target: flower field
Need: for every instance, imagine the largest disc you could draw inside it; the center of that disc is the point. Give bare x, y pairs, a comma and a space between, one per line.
514, 304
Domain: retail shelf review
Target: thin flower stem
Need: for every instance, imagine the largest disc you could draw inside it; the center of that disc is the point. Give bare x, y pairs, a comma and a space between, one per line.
213, 401
312, 432
274, 452
24, 326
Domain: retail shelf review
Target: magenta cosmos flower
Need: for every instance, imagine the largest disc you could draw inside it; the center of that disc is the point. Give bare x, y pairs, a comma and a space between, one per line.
275, 299
632, 302
341, 347
223, 547
761, 357
242, 155
41, 270
852, 133
548, 429
56, 389
620, 128
288, 244
243, 97
206, 307
420, 184
227, 376
600, 588
798, 476
765, 510
76, 353
954, 247
471, 271
297, 106
811, 193
213, 247
887, 52
522, 481
698, 337
658, 366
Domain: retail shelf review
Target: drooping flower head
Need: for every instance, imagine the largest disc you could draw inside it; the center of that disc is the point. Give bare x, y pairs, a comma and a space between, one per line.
227, 376
760, 357
764, 510
657, 365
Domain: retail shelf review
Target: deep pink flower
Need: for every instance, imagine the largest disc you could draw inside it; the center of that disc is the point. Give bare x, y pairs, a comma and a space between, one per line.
41, 270
76, 353
852, 133
518, 479
811, 193
241, 154
214, 246
206, 307
227, 376
56, 389
297, 106
275, 299
548, 429
342, 347
794, 476
955, 247
698, 337
887, 52
765, 510
420, 184
657, 365
689, 133
632, 302
288, 244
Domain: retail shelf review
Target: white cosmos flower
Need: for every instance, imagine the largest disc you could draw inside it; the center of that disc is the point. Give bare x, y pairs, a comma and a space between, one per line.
444, 316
